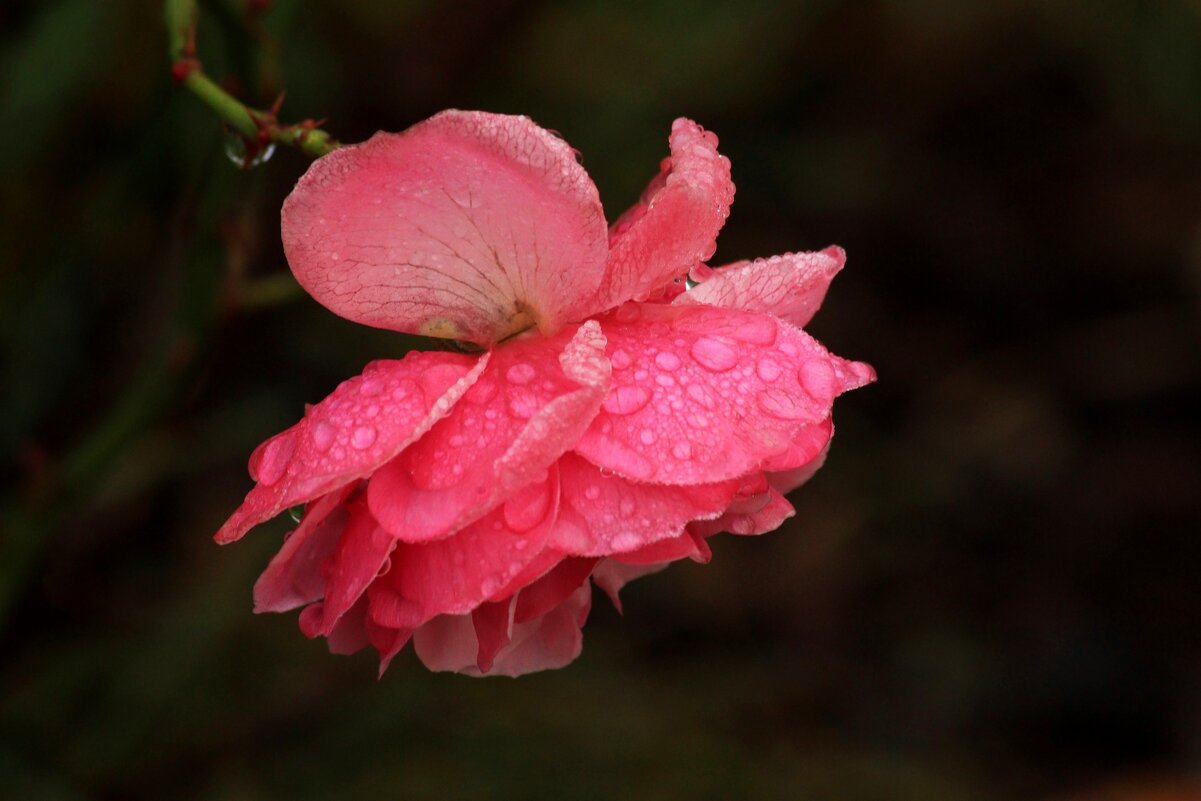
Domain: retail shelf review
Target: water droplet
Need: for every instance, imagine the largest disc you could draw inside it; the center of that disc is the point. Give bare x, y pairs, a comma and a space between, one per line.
457, 469
522, 403
664, 380
385, 567
667, 360
482, 391
782, 405
701, 395
628, 313
237, 151
627, 506
520, 373
682, 450
370, 387
647, 436
626, 399
323, 435
273, 462
296, 513
456, 441
592, 492
363, 437
757, 330
714, 355
817, 377
768, 370
620, 359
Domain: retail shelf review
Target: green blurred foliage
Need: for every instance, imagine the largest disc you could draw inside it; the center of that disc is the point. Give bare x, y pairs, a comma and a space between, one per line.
991, 590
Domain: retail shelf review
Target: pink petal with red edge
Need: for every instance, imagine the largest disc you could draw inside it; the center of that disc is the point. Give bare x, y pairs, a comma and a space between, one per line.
293, 577
785, 481
456, 574
676, 222
469, 225
348, 635
552, 589
791, 286
535, 399
767, 513
361, 555
387, 641
701, 394
449, 642
364, 423
687, 545
493, 624
600, 513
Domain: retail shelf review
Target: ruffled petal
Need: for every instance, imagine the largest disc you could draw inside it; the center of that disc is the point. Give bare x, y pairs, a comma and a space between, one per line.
686, 545
534, 401
611, 575
601, 513
766, 512
456, 574
362, 553
674, 225
701, 394
469, 225
552, 589
364, 423
293, 577
450, 642
791, 286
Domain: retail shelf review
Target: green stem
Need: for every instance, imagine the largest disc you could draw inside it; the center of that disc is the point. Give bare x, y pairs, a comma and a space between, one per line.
255, 126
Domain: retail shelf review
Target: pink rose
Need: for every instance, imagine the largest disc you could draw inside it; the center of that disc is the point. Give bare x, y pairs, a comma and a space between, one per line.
612, 423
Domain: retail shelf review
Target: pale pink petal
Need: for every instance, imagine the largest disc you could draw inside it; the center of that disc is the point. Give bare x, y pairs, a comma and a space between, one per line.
674, 225
469, 225
364, 423
450, 643
701, 394
362, 553
552, 589
791, 286
456, 574
611, 575
785, 481
293, 577
535, 399
601, 513
766, 513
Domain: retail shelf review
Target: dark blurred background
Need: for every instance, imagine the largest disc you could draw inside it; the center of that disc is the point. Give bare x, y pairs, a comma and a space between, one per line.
991, 591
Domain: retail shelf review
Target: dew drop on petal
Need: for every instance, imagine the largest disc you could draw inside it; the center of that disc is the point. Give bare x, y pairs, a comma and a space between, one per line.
768, 370
647, 436
757, 330
370, 386
274, 461
520, 373
522, 404
682, 450
620, 359
385, 567
667, 360
714, 355
817, 377
626, 399
323, 436
626, 507
592, 492
363, 437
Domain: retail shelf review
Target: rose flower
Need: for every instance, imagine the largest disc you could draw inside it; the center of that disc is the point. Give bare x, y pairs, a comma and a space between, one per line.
612, 423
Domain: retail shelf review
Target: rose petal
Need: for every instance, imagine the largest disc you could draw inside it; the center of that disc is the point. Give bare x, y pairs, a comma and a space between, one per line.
675, 224
469, 225
601, 513
361, 555
456, 574
701, 394
552, 589
293, 577
768, 514
791, 286
533, 402
493, 624
348, 635
611, 575
686, 545
450, 643
364, 423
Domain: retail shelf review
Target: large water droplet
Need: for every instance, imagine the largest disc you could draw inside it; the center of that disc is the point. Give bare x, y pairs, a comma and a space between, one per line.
363, 437
817, 377
296, 513
520, 373
757, 330
273, 462
768, 369
323, 435
522, 403
626, 399
666, 360
620, 359
237, 151
647, 436
714, 355
370, 387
